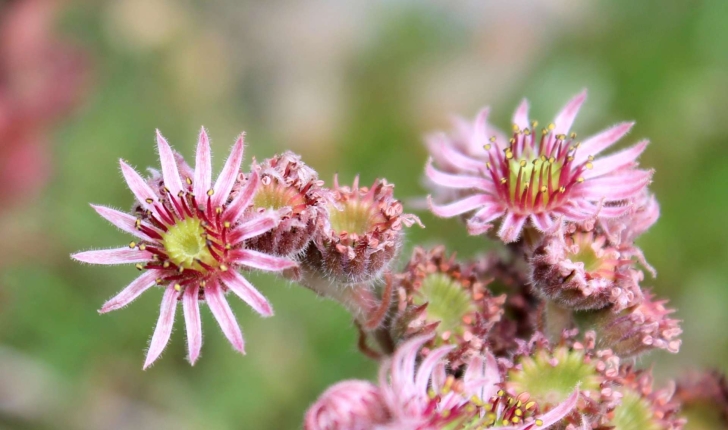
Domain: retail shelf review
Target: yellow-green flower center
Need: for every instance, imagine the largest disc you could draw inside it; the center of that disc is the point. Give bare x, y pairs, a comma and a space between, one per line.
634, 413
447, 301
185, 243
355, 217
537, 175
551, 378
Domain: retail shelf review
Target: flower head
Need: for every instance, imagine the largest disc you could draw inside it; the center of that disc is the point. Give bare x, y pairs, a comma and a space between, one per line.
704, 399
580, 271
191, 238
291, 187
363, 234
538, 176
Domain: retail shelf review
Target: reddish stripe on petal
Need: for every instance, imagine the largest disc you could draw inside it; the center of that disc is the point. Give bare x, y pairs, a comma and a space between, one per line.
123, 255
164, 325
203, 168
461, 206
254, 227
224, 315
138, 187
131, 292
598, 143
258, 260
542, 222
123, 221
511, 227
458, 181
191, 307
247, 292
244, 198
565, 118
616, 161
170, 173
229, 173
520, 117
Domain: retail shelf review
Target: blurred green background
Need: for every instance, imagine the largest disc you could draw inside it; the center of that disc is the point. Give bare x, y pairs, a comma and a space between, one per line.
352, 87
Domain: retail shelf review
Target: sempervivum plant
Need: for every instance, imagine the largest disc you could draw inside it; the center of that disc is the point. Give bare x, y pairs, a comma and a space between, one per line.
190, 239
541, 333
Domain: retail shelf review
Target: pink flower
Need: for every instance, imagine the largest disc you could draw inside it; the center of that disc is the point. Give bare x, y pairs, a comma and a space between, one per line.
425, 397
542, 179
192, 240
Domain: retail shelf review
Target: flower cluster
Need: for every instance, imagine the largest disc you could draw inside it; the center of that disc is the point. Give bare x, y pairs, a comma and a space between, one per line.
541, 333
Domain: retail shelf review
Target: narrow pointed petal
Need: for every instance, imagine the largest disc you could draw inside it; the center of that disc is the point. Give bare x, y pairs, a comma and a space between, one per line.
596, 144
461, 206
191, 306
244, 198
482, 376
511, 227
258, 260
254, 227
424, 372
229, 173
203, 168
164, 325
138, 186
542, 222
224, 315
461, 161
131, 292
616, 161
124, 222
520, 117
614, 187
480, 222
480, 131
458, 181
247, 292
123, 255
170, 173
565, 119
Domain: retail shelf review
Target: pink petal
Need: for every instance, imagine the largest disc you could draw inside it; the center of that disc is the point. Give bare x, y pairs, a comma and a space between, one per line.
511, 227
461, 206
554, 415
258, 260
193, 323
482, 376
131, 292
542, 222
123, 221
229, 173
138, 186
403, 361
480, 137
458, 181
614, 187
224, 315
520, 117
170, 173
428, 364
244, 198
203, 169
616, 161
596, 144
123, 255
604, 211
459, 160
572, 212
164, 325
254, 227
246, 291
479, 223
565, 118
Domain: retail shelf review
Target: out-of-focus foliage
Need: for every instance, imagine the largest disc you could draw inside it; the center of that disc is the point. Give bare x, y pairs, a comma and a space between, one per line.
352, 87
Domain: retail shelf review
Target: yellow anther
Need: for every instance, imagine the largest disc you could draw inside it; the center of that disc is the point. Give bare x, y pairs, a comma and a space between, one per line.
139, 266
501, 393
580, 180
539, 422
189, 181
552, 160
143, 247
530, 405
543, 188
476, 400
223, 267
165, 264
150, 201
132, 245
523, 163
525, 186
534, 124
431, 393
516, 129
561, 137
515, 420
512, 141
218, 210
138, 223
573, 135
228, 246
492, 138
503, 180
526, 131
518, 412
177, 287
487, 147
211, 191
562, 189
589, 166
552, 126
509, 154
159, 281
181, 269
590, 158
446, 413
570, 158
203, 284
166, 190
487, 164
226, 224
543, 158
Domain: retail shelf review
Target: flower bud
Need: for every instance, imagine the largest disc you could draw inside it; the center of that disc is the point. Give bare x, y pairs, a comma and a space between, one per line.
348, 405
